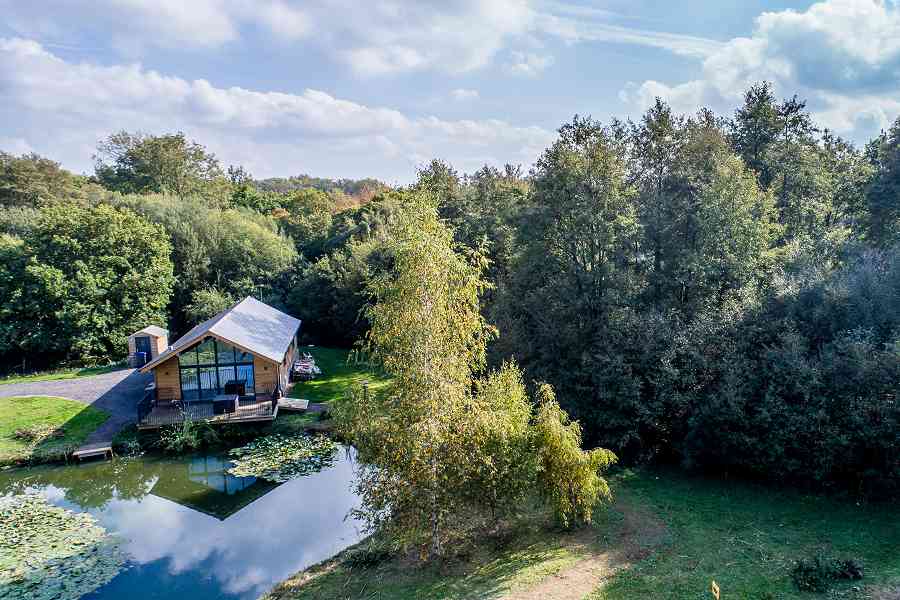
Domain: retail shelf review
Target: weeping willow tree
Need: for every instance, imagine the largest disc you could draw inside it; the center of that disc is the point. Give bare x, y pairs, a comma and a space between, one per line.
446, 439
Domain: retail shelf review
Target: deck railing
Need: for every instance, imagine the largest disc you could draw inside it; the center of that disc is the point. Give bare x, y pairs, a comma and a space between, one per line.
155, 410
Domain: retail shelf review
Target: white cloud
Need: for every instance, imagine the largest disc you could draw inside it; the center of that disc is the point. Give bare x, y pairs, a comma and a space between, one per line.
380, 37
529, 64
575, 30
283, 20
463, 94
842, 55
61, 109
390, 37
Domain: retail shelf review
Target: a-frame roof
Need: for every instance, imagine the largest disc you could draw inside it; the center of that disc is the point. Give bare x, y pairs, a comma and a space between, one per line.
250, 324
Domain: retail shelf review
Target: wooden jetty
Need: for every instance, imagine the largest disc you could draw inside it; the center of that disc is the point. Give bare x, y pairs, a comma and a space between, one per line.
103, 449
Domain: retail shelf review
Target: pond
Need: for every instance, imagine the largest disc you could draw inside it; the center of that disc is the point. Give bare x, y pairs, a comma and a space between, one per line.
189, 529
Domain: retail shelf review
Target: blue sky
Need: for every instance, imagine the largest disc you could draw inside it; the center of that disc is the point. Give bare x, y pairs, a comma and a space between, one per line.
343, 88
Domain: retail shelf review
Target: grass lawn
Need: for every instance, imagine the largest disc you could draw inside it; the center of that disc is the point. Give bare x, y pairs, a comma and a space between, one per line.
338, 376
666, 536
68, 422
492, 567
62, 374
748, 537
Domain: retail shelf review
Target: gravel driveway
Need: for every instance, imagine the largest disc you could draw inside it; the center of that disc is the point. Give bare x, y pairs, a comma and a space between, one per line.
117, 393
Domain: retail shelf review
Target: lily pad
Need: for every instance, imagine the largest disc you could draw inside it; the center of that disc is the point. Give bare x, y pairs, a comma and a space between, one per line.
280, 457
48, 552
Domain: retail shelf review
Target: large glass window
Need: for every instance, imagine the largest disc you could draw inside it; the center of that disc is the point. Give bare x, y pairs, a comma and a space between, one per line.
245, 372
190, 386
208, 384
207, 367
188, 357
206, 352
224, 353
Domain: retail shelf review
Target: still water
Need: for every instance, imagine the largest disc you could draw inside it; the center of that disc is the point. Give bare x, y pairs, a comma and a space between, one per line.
192, 531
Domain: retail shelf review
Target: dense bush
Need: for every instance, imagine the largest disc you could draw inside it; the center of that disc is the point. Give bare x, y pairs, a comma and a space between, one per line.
79, 283
218, 254
817, 574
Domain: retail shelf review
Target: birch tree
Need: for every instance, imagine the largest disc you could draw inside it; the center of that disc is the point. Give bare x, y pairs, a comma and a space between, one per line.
428, 334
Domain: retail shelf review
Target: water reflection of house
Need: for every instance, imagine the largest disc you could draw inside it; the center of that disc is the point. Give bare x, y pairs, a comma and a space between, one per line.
206, 486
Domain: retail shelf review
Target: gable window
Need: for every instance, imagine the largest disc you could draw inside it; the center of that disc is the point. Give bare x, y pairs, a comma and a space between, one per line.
210, 365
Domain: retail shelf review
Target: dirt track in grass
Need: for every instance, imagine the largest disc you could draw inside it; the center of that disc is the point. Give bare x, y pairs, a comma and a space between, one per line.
640, 533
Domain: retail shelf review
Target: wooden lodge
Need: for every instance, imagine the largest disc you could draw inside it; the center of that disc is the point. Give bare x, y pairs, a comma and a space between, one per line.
231, 368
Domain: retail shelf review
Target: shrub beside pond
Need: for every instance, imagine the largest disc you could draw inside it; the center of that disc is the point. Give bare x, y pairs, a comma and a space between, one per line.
48, 552
280, 457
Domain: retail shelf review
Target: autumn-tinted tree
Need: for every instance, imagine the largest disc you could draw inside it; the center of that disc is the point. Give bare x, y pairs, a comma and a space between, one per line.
568, 476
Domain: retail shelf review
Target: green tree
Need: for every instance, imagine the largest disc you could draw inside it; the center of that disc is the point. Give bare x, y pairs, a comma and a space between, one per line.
484, 209
755, 129
32, 181
427, 332
237, 252
882, 221
706, 219
502, 464
568, 477
207, 303
444, 437
139, 163
306, 216
578, 269
84, 279
245, 194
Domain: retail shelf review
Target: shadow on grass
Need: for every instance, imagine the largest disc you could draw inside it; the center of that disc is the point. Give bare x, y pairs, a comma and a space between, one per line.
74, 433
44, 428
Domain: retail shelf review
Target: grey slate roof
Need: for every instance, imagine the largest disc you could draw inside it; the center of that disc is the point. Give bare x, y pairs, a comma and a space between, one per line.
250, 324
153, 330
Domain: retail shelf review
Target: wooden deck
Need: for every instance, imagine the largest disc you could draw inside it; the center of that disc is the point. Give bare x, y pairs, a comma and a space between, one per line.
250, 410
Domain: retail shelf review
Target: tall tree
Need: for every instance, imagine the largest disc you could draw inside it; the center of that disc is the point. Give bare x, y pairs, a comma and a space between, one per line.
578, 274
444, 440
703, 214
427, 332
83, 280
139, 163
655, 144
32, 181
755, 128
883, 195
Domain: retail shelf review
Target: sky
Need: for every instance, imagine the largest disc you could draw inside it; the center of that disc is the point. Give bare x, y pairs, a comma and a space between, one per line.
345, 88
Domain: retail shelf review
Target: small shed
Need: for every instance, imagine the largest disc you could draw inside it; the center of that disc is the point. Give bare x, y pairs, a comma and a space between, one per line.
146, 344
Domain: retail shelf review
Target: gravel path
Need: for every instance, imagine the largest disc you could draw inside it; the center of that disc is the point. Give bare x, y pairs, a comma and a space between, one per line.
117, 393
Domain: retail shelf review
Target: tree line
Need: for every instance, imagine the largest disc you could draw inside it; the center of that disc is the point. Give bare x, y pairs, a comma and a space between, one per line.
718, 291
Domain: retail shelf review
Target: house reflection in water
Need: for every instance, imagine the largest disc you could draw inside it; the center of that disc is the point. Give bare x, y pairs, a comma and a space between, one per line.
205, 486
